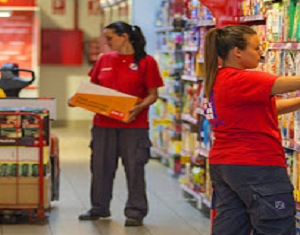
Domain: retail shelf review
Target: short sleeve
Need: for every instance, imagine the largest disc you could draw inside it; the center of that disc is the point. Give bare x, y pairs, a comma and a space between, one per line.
94, 72
252, 86
152, 74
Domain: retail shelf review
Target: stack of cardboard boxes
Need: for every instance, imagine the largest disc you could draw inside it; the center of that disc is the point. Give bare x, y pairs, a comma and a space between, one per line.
20, 153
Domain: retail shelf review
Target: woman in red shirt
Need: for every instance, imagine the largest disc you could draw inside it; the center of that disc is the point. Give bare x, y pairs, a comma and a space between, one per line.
252, 190
130, 70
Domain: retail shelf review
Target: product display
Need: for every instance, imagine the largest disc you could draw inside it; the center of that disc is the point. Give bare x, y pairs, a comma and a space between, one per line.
26, 150
277, 26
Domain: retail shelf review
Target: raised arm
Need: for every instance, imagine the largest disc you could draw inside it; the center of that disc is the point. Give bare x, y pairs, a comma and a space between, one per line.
285, 84
287, 105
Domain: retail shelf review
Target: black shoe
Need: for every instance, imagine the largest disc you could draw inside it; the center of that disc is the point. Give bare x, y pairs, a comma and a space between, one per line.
133, 222
89, 215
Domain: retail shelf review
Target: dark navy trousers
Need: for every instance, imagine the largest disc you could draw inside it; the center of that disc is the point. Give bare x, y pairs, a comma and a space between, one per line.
133, 146
252, 199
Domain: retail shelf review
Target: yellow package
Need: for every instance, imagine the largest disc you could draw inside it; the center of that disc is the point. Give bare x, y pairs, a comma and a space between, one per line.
2, 93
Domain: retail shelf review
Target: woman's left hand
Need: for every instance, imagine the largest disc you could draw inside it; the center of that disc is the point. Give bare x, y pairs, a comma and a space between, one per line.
134, 112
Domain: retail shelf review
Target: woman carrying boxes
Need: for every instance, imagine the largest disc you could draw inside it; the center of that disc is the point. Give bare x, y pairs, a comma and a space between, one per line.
128, 69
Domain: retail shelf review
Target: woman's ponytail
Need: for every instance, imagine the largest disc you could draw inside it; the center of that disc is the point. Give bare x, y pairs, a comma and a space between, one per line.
218, 44
211, 61
139, 43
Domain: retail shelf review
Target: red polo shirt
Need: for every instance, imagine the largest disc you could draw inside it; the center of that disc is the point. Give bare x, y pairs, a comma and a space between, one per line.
244, 119
119, 72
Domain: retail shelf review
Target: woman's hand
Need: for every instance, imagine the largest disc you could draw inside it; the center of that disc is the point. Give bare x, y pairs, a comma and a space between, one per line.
134, 112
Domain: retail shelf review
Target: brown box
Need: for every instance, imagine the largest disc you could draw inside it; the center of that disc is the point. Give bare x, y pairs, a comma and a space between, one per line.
25, 195
104, 101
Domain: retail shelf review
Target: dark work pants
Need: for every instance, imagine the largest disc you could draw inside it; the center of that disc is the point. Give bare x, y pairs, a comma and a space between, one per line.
133, 146
256, 199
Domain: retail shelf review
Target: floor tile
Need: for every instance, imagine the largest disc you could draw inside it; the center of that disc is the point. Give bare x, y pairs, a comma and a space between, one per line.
169, 211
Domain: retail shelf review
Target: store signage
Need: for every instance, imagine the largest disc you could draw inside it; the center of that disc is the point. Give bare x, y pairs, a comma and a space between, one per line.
18, 3
93, 7
226, 12
16, 33
59, 7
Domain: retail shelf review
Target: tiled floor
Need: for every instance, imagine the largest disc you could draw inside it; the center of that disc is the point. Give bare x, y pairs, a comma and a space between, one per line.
169, 213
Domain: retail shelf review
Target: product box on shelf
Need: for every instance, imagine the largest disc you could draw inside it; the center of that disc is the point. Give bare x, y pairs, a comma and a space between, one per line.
296, 29
23, 130
198, 177
22, 169
23, 192
104, 101
23, 154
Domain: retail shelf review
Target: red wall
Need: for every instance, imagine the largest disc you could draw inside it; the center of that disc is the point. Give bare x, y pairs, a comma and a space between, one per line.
19, 3
62, 47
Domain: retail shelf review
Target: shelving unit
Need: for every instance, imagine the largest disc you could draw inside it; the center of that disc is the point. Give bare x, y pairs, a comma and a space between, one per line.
195, 160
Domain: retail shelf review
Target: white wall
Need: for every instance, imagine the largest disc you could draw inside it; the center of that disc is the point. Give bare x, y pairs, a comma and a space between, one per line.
61, 81
143, 15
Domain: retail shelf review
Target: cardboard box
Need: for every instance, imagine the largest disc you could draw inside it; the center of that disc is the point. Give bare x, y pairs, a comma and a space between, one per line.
23, 154
25, 195
105, 101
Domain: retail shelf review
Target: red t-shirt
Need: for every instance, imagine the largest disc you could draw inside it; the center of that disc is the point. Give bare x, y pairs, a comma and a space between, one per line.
119, 72
244, 119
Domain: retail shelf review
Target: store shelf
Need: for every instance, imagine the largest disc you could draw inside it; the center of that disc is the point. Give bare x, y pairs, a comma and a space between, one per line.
203, 152
197, 195
174, 155
164, 29
188, 118
200, 60
165, 97
290, 144
252, 18
167, 51
284, 46
194, 158
189, 78
190, 49
289, 95
297, 199
203, 23
200, 111
159, 152
298, 206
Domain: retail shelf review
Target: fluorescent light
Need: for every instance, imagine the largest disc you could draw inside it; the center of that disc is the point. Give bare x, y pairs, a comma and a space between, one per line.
104, 3
5, 14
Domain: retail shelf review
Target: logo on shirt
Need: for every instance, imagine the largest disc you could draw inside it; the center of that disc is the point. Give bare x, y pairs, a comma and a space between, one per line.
210, 112
106, 69
133, 66
280, 205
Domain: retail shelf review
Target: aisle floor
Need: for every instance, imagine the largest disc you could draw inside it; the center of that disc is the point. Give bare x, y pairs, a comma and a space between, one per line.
169, 214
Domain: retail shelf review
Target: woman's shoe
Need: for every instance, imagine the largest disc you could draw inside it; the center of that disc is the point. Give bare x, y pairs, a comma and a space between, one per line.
90, 215
133, 222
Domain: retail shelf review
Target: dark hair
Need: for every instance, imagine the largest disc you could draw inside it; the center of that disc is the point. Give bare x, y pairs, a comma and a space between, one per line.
136, 37
219, 42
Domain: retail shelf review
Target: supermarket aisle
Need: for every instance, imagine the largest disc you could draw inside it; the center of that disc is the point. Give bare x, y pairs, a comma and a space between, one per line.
169, 212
